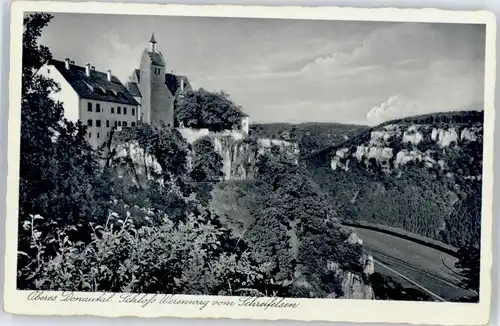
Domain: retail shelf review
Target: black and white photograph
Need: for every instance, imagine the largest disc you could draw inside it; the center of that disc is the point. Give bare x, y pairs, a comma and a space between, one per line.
266, 159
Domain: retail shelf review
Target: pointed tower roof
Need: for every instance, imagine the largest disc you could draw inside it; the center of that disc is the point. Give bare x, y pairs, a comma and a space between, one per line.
153, 39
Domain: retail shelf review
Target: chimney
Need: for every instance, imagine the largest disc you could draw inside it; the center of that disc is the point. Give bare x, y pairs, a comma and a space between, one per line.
72, 62
87, 69
109, 75
182, 84
92, 68
66, 63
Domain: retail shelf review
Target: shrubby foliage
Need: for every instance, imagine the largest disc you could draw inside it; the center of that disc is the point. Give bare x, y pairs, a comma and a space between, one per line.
203, 109
192, 257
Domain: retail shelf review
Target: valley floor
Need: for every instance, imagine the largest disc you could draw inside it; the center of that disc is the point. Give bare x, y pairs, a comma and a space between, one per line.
414, 265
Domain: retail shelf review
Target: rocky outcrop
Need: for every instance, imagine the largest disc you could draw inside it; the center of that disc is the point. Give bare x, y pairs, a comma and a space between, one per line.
354, 285
396, 145
445, 137
240, 153
131, 161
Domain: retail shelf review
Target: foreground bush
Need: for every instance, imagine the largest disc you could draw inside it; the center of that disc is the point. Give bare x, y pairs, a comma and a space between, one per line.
188, 258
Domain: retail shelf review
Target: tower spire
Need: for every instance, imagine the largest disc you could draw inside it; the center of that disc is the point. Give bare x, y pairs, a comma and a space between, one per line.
152, 40
152, 43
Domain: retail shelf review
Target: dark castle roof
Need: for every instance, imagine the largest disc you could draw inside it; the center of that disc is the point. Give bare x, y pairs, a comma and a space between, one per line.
137, 73
96, 86
173, 82
157, 59
133, 88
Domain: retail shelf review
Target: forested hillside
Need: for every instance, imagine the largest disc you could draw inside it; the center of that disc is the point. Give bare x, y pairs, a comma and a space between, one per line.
422, 174
310, 137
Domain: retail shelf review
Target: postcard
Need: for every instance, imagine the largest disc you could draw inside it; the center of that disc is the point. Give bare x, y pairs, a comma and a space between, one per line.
246, 162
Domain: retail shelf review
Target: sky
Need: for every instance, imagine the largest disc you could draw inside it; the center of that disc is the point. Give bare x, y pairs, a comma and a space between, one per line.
293, 70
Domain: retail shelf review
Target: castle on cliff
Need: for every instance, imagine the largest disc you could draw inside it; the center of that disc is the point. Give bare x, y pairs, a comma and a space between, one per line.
102, 102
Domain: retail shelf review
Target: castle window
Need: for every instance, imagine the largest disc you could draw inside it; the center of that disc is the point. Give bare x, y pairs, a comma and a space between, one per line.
116, 124
98, 123
89, 107
89, 122
98, 107
119, 110
133, 124
90, 135
97, 135
112, 110
124, 110
107, 123
119, 123
133, 111
124, 123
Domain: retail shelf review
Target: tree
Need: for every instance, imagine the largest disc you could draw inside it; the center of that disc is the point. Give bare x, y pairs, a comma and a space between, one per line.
207, 163
469, 261
203, 109
57, 165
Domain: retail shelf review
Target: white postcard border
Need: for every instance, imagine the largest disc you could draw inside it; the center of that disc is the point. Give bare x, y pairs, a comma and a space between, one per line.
309, 309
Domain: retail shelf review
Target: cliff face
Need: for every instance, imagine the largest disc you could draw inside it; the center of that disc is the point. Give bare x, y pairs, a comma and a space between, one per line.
132, 161
394, 146
239, 153
355, 285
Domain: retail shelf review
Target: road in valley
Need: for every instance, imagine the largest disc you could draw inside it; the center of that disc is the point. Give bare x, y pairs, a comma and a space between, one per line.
413, 265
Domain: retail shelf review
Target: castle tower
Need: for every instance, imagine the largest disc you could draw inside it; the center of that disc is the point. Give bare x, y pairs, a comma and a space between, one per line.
157, 102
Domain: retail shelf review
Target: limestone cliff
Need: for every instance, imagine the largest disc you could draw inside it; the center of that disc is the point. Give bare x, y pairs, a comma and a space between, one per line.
355, 285
240, 153
431, 144
132, 161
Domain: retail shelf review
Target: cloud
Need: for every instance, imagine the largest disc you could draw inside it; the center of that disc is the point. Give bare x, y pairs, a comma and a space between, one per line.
397, 106
295, 70
118, 55
406, 44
